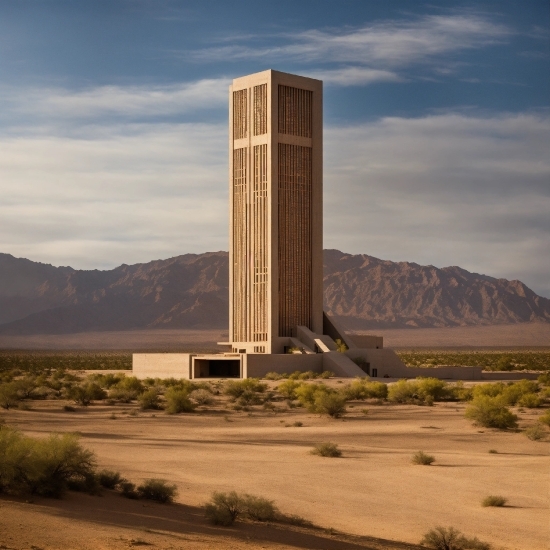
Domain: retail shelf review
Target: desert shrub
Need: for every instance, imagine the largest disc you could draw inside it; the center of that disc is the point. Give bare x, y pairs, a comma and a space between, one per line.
493, 451
458, 392
530, 400
235, 388
420, 391
127, 389
248, 398
295, 375
488, 390
157, 489
86, 393
441, 538
432, 388
25, 387
224, 508
544, 379
106, 380
422, 458
68, 408
306, 393
42, 466
354, 391
259, 508
493, 500
545, 418
326, 374
491, 412
8, 396
332, 404
535, 433
375, 390
307, 375
515, 391
403, 391
149, 399
128, 490
340, 345
110, 479
288, 389
177, 401
273, 376
201, 397
327, 449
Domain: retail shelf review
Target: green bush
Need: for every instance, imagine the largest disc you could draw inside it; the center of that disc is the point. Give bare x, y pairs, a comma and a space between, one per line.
8, 396
149, 399
458, 392
110, 479
273, 376
201, 397
332, 404
491, 412
224, 508
327, 449
326, 374
544, 379
355, 391
515, 391
340, 345
42, 466
306, 394
235, 388
259, 509
545, 418
86, 393
177, 401
288, 389
128, 490
441, 538
493, 500
157, 489
535, 433
530, 400
375, 390
422, 458
488, 390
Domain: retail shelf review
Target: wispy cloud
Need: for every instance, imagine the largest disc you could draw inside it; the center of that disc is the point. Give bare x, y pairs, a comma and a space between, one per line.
141, 101
385, 44
354, 76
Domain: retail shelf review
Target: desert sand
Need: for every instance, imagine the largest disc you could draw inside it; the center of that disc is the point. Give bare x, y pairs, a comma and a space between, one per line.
373, 490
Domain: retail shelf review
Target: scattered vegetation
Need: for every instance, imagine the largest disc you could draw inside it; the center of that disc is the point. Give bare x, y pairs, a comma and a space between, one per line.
442, 538
489, 360
178, 401
422, 458
493, 500
491, 412
545, 418
149, 399
158, 490
43, 467
327, 449
535, 433
110, 479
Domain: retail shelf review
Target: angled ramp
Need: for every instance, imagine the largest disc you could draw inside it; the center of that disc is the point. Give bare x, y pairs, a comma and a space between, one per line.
341, 365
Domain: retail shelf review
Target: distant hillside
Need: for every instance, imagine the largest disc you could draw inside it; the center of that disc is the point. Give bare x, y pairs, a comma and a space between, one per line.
190, 291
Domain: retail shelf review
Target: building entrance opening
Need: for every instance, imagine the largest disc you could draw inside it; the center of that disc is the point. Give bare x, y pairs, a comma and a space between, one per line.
217, 368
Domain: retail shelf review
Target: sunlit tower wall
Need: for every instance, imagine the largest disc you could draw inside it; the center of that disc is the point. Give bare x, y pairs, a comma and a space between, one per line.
276, 210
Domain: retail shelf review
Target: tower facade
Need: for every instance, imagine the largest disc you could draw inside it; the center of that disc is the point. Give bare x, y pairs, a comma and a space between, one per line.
276, 210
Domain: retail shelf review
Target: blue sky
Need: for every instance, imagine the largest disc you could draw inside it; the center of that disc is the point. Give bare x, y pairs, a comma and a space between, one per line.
113, 126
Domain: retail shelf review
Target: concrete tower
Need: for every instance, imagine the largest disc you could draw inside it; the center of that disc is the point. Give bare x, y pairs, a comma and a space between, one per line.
275, 210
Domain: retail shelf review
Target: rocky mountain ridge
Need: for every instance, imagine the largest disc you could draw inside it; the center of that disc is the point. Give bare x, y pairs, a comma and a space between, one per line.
191, 291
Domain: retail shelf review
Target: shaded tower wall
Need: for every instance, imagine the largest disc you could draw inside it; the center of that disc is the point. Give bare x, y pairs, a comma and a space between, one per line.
275, 191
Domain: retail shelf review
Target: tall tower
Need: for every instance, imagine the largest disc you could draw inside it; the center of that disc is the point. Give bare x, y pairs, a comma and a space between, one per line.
276, 209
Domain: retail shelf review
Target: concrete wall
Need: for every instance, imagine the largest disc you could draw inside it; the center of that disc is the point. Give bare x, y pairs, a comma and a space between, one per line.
161, 365
367, 341
502, 375
258, 365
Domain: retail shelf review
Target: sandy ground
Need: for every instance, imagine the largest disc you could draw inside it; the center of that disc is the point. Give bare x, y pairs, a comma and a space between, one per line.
373, 490
523, 334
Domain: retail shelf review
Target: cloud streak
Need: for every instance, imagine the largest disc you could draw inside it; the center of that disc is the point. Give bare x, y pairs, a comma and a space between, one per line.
388, 44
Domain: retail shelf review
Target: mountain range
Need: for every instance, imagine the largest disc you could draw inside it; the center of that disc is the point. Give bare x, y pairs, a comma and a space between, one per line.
191, 291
